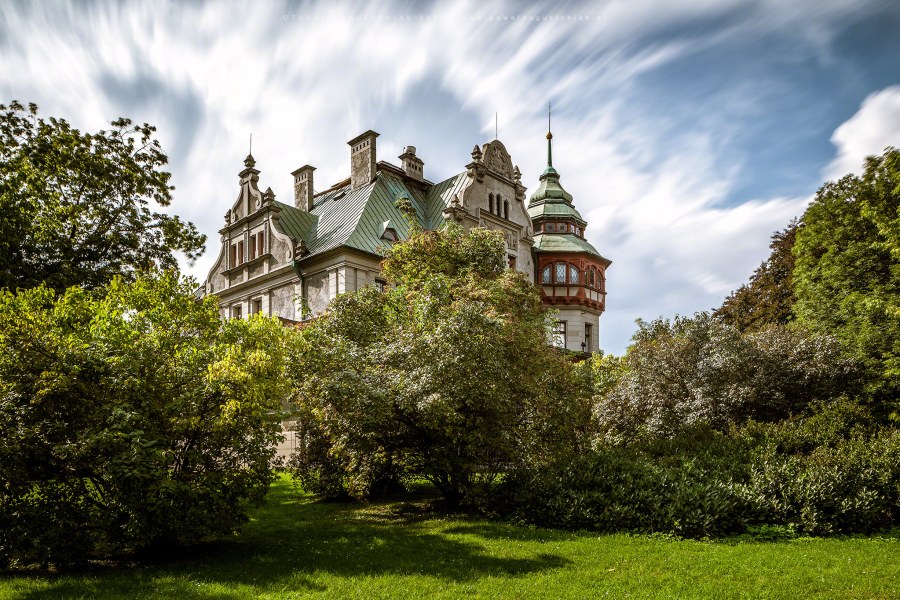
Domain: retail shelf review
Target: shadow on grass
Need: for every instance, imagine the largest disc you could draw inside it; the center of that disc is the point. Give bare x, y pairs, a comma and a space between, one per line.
289, 543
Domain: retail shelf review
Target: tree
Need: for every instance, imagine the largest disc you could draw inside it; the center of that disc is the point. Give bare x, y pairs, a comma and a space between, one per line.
847, 273
700, 371
768, 298
447, 375
76, 206
130, 418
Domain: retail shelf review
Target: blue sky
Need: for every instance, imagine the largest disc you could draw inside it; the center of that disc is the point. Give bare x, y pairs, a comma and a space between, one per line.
687, 131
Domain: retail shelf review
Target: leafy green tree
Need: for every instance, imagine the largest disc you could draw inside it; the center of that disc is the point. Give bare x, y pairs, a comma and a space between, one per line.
448, 375
847, 273
768, 298
77, 206
699, 371
129, 419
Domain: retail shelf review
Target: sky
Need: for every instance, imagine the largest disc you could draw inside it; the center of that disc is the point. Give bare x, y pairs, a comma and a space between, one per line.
687, 132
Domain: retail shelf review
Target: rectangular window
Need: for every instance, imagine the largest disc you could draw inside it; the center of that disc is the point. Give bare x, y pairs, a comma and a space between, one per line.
252, 246
260, 243
379, 284
236, 312
256, 306
560, 273
550, 227
234, 255
559, 334
240, 252
511, 261
588, 337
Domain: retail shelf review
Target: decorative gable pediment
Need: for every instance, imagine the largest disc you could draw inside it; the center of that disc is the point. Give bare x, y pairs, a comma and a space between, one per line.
496, 159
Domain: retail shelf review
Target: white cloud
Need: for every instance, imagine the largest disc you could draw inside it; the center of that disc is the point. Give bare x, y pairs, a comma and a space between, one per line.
875, 126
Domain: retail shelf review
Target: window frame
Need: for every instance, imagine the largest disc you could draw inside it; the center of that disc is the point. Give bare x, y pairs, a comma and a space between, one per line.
556, 267
559, 334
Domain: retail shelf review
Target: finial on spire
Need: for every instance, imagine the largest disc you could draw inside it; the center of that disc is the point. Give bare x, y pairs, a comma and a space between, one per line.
549, 138
250, 162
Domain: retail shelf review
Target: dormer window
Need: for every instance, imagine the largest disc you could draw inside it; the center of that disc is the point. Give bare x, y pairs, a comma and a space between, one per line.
390, 235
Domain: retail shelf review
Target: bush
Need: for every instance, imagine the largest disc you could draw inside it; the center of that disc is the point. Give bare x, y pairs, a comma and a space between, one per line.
699, 371
616, 489
131, 419
833, 472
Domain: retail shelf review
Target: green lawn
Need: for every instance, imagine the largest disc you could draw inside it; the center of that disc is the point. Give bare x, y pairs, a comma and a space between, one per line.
294, 547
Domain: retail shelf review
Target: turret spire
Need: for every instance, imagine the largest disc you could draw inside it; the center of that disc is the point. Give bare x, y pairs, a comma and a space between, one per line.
549, 138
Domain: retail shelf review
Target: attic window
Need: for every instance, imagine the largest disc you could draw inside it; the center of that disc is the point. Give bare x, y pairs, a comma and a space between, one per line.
339, 195
390, 235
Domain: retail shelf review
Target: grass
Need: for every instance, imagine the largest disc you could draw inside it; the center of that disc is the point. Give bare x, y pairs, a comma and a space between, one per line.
294, 548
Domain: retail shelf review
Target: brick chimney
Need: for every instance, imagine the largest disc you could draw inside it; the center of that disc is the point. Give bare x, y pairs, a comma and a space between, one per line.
362, 159
303, 187
412, 164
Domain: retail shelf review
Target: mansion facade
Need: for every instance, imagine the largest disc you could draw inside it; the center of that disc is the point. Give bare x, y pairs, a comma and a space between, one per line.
291, 260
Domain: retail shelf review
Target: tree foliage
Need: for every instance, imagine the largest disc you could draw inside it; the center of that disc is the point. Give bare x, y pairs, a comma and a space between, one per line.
847, 273
77, 206
132, 418
700, 371
447, 375
768, 298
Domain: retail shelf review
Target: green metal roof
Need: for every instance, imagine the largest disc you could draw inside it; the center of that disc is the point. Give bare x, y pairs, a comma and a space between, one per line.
564, 242
440, 196
296, 223
551, 200
358, 219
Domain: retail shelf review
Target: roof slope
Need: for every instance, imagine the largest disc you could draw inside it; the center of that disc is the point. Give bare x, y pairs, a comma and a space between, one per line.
359, 218
564, 242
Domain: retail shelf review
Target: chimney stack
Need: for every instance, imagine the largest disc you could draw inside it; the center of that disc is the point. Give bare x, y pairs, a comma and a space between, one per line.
303, 187
362, 159
412, 164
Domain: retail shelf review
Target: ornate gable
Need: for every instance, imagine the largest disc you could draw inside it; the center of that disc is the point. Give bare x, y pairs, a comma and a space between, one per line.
496, 159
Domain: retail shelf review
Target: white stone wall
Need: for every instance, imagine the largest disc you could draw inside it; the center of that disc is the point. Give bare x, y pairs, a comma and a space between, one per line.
576, 319
282, 302
318, 291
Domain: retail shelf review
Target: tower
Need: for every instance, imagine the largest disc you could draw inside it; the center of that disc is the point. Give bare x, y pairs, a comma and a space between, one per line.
570, 271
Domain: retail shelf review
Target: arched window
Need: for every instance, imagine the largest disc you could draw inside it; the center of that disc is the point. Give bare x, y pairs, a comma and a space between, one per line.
560, 272
545, 275
491, 202
506, 209
573, 274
